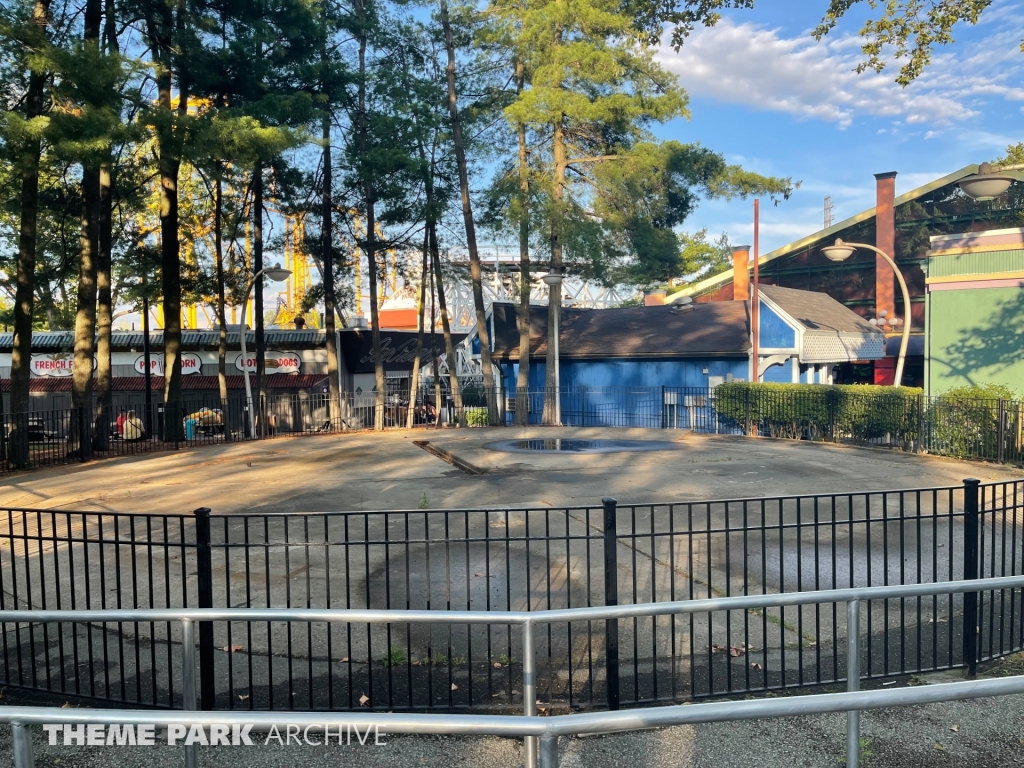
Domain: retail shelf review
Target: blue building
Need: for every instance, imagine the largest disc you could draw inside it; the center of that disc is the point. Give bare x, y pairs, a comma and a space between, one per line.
629, 363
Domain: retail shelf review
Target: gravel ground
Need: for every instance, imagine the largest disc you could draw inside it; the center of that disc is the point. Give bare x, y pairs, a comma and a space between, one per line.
975, 734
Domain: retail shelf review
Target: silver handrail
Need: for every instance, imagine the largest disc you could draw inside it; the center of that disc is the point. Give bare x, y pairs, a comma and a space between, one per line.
540, 735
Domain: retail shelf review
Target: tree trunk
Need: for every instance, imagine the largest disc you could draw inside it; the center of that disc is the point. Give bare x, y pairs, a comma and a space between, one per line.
371, 229
85, 317
104, 314
257, 299
170, 269
327, 258
85, 314
24, 297
449, 349
414, 383
467, 217
222, 315
104, 299
555, 291
161, 28
523, 379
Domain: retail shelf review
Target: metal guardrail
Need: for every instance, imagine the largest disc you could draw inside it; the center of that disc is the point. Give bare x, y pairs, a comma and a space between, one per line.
539, 734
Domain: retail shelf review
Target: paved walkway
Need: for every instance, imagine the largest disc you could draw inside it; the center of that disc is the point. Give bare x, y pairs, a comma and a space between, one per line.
974, 734
387, 471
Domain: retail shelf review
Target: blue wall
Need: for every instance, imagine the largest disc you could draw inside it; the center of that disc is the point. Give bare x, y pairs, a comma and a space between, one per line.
775, 332
622, 392
780, 374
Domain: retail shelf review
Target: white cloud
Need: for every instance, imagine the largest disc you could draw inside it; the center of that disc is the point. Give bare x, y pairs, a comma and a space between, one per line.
754, 65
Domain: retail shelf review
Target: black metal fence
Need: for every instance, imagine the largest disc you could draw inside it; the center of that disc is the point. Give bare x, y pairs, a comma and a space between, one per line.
991, 430
495, 560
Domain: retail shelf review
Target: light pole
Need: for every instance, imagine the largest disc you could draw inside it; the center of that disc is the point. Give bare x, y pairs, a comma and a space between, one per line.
277, 274
554, 279
841, 252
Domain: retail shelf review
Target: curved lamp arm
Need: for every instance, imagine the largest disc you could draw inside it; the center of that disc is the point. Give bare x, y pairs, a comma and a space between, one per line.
906, 308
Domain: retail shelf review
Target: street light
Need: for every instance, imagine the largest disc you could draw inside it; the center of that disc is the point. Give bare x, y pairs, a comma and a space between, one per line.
277, 274
988, 183
554, 279
841, 251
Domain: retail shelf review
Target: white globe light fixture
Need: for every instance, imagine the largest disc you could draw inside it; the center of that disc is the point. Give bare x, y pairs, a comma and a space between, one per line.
553, 279
987, 184
277, 274
841, 251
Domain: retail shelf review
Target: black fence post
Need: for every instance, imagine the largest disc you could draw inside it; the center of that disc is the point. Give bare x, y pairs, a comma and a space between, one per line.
204, 559
611, 597
746, 396
1001, 431
832, 415
920, 423
971, 572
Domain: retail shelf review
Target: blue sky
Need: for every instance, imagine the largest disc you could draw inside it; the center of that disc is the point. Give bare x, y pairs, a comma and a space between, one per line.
769, 97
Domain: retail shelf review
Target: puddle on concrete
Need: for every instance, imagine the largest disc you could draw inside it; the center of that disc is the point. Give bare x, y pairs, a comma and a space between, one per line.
575, 445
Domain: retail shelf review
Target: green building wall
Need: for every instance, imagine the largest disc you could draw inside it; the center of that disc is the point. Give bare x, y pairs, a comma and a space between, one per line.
975, 336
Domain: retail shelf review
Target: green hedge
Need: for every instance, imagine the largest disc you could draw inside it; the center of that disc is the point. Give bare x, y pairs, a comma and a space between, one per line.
476, 417
820, 411
964, 421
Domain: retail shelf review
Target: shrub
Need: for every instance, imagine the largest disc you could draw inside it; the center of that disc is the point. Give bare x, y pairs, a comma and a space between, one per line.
476, 417
964, 421
820, 411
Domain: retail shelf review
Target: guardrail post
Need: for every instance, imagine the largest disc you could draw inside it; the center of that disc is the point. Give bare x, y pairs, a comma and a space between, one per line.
853, 681
22, 737
188, 683
611, 597
971, 572
204, 574
549, 751
529, 693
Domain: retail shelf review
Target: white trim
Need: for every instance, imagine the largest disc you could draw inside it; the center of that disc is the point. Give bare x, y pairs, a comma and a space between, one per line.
973, 235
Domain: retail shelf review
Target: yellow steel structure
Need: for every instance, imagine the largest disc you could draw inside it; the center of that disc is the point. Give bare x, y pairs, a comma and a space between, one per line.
289, 301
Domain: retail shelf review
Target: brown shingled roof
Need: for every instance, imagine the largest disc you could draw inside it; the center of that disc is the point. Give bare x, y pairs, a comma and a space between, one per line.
817, 311
717, 329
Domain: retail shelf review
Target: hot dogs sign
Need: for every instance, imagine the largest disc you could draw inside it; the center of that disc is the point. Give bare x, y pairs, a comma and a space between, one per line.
276, 362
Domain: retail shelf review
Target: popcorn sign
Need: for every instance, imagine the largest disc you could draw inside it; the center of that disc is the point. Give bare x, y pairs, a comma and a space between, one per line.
190, 363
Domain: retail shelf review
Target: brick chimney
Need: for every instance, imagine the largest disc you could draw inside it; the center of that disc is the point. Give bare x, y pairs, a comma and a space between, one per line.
885, 239
654, 298
741, 272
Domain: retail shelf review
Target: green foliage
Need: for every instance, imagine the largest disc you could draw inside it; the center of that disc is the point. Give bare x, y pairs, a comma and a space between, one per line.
701, 256
1014, 155
907, 30
820, 411
964, 421
476, 417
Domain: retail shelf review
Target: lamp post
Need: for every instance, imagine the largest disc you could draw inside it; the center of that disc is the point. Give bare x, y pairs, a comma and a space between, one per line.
554, 279
277, 274
841, 252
